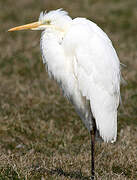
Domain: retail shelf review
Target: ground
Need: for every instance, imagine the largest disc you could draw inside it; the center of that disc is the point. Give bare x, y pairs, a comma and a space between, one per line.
41, 136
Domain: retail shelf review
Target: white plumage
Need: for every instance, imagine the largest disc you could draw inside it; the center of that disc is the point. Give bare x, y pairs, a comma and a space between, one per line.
83, 61
81, 57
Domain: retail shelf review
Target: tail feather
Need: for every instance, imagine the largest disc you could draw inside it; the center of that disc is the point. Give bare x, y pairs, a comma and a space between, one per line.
104, 109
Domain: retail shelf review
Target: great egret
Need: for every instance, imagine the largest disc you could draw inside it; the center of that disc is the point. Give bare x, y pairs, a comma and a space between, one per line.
82, 59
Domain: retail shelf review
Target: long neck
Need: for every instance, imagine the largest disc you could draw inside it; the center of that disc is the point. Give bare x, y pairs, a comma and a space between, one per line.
52, 51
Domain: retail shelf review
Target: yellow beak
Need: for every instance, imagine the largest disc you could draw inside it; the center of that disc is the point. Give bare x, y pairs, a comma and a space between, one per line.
27, 26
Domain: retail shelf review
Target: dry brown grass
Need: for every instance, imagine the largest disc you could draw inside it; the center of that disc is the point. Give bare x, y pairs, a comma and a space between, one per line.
41, 136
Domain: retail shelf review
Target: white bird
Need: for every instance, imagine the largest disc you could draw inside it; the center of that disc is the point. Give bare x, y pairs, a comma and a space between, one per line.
81, 58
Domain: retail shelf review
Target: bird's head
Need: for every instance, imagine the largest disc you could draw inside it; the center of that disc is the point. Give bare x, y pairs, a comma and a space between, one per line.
56, 19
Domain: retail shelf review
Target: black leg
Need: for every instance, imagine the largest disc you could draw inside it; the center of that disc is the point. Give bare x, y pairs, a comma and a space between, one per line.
92, 133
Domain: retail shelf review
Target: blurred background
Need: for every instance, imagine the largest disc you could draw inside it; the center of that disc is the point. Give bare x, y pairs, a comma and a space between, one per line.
41, 136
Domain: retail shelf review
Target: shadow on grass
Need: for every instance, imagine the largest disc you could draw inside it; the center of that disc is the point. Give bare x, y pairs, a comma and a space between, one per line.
73, 174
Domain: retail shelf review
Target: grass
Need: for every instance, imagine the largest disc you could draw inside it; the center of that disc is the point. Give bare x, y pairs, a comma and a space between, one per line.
41, 136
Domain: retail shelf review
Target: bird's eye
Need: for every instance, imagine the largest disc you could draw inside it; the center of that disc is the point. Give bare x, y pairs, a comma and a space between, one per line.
48, 22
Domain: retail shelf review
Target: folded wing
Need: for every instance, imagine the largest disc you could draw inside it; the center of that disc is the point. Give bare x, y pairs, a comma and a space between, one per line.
97, 69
